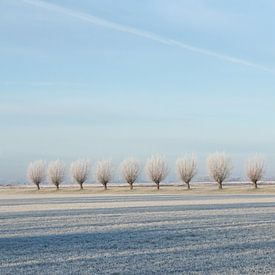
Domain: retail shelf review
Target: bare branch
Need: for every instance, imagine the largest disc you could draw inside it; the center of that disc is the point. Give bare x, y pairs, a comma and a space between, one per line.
219, 167
36, 172
255, 169
156, 169
103, 172
130, 170
56, 172
186, 168
80, 170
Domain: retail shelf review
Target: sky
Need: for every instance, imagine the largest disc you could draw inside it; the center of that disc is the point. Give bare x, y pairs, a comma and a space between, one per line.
113, 79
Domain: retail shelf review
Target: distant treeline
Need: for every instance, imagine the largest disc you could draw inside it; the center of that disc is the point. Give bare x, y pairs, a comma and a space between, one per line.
156, 168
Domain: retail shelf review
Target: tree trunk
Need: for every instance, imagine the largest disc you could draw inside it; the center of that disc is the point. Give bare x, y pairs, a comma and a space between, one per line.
57, 187
157, 185
105, 185
131, 186
188, 185
220, 185
255, 185
38, 187
81, 185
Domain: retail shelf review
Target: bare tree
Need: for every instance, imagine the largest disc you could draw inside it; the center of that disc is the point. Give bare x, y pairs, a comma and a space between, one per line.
103, 172
255, 169
186, 168
36, 172
56, 172
80, 170
219, 167
130, 171
156, 169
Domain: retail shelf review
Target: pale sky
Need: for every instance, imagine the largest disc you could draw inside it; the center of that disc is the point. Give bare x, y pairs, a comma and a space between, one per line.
113, 79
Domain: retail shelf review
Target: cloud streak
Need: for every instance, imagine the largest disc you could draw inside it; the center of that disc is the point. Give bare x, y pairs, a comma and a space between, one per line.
144, 34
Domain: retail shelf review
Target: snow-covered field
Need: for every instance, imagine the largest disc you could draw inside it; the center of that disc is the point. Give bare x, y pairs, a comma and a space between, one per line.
137, 234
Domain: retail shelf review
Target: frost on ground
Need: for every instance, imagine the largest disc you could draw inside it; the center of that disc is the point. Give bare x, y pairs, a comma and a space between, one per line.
138, 234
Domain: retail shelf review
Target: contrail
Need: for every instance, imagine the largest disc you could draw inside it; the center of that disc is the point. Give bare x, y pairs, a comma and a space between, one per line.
145, 34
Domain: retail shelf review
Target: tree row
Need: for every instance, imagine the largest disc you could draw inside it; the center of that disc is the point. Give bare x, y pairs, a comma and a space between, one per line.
219, 169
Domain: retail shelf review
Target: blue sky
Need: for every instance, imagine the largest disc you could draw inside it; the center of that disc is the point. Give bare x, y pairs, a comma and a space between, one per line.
112, 79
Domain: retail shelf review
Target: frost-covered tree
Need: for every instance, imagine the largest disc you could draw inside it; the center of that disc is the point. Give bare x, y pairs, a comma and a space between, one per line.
80, 170
255, 169
56, 172
37, 172
186, 168
130, 171
219, 167
156, 169
104, 172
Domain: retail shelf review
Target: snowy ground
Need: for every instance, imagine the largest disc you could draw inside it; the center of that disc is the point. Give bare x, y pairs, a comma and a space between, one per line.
137, 234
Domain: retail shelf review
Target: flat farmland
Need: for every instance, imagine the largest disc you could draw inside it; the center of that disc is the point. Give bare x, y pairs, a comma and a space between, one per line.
118, 233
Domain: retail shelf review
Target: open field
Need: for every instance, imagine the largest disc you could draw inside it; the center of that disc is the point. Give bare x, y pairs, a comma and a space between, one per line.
124, 232
139, 188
